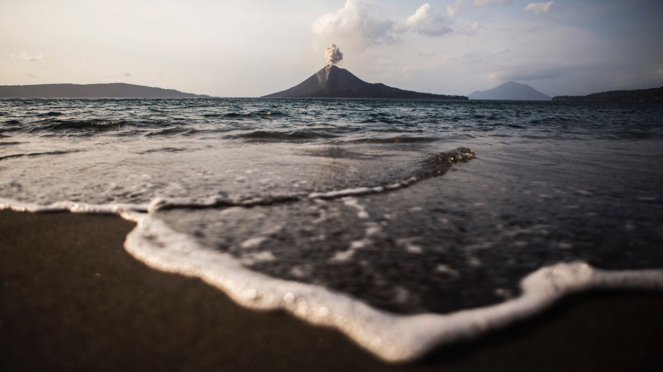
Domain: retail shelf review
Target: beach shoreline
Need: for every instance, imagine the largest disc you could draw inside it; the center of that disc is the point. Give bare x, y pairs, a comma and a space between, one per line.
73, 299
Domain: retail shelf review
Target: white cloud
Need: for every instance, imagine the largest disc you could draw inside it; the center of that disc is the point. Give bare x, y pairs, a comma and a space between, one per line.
27, 57
539, 8
482, 3
356, 27
427, 23
353, 22
469, 28
455, 8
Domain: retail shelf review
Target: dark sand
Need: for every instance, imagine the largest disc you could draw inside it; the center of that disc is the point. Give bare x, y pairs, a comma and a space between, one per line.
71, 298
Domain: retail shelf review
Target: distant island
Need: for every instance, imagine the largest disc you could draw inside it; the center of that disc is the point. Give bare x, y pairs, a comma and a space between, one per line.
114, 90
511, 91
634, 96
335, 82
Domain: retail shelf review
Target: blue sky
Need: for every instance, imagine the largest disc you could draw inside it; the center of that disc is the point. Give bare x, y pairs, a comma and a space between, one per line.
256, 47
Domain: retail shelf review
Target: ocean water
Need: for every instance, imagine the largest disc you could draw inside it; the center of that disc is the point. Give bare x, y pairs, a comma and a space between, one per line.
405, 224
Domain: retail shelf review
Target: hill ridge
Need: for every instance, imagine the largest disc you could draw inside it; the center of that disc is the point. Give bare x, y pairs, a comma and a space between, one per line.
102, 90
622, 96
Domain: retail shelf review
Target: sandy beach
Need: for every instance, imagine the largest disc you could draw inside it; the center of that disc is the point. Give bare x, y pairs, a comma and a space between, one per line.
73, 299
348, 185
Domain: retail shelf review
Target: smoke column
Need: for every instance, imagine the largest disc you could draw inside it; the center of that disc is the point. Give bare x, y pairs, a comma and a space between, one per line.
333, 55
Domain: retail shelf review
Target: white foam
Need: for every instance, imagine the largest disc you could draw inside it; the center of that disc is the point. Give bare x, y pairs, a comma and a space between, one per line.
215, 200
409, 244
253, 242
68, 206
343, 256
447, 270
351, 192
395, 338
361, 210
391, 337
252, 258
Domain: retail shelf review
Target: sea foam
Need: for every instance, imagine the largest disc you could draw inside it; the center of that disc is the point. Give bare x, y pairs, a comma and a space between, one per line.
391, 337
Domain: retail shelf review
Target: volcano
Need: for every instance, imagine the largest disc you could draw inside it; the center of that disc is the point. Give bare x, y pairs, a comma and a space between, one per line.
336, 82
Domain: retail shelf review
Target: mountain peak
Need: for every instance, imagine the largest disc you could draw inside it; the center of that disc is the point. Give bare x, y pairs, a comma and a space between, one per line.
511, 91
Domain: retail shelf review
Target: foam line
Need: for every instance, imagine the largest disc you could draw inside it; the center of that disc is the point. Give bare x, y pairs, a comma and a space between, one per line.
393, 338
69, 206
433, 166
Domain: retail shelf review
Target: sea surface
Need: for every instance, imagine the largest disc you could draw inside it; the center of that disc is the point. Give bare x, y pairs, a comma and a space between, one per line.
358, 214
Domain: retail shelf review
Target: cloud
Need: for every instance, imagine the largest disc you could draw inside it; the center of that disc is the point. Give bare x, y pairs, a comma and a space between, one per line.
27, 57
528, 73
427, 23
356, 27
469, 28
353, 22
539, 8
483, 3
32, 75
455, 8
128, 74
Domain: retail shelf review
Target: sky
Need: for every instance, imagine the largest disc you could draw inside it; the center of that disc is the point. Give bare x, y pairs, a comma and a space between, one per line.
251, 48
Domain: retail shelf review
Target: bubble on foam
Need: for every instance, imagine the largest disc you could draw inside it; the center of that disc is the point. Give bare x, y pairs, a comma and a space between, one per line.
447, 271
253, 258
253, 242
301, 271
401, 295
409, 244
343, 256
361, 210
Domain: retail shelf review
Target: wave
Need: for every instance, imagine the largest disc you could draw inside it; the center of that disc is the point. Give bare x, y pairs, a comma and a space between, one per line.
391, 337
77, 125
51, 113
164, 149
297, 135
33, 154
251, 115
172, 131
556, 120
395, 140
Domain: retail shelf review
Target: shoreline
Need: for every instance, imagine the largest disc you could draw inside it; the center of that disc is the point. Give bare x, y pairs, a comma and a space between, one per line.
73, 298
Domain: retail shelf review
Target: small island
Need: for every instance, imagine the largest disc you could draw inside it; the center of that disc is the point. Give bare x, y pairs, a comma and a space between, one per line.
113, 90
618, 96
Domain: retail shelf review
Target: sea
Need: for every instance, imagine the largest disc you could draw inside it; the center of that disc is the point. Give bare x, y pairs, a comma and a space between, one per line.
404, 224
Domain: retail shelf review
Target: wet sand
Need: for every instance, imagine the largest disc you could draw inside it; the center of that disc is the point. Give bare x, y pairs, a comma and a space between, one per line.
71, 298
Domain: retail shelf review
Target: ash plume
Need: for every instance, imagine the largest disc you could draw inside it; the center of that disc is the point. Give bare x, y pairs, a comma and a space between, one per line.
333, 55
